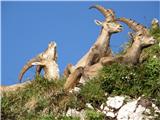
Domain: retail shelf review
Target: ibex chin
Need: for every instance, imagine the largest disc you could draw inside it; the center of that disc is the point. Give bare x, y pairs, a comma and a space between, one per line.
141, 39
101, 47
47, 61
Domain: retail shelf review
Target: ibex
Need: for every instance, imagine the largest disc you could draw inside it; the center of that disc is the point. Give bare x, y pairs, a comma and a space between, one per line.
45, 60
101, 47
141, 39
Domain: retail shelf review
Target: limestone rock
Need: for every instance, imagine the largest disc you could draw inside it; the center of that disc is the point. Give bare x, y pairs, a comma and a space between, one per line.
127, 110
89, 106
74, 113
110, 114
115, 102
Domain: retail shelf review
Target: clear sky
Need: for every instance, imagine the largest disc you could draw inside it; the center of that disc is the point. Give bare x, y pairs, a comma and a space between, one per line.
28, 27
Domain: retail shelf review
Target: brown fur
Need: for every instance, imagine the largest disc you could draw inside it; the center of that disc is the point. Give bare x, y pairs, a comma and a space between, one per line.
141, 40
76, 75
45, 60
101, 47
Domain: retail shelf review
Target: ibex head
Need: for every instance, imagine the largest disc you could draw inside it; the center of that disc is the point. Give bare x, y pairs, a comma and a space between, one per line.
49, 54
141, 33
52, 45
109, 24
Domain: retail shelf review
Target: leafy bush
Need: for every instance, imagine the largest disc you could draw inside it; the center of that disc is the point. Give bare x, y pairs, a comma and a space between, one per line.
132, 80
92, 93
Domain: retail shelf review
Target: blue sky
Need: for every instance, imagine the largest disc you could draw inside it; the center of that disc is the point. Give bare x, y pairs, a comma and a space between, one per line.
28, 27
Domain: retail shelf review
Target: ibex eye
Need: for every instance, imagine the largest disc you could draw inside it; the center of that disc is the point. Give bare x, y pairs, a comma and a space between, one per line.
140, 34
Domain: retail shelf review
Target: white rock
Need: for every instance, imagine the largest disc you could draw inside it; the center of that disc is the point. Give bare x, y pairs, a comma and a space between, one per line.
155, 108
110, 114
115, 102
102, 106
104, 112
82, 115
148, 111
75, 90
73, 113
115, 114
82, 81
138, 114
105, 94
153, 105
149, 117
106, 109
89, 106
127, 110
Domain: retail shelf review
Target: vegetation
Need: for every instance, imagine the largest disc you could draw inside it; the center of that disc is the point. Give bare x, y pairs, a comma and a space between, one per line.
46, 100
40, 100
93, 115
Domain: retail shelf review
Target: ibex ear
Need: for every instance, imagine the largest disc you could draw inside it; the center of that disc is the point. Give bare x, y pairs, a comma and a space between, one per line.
98, 22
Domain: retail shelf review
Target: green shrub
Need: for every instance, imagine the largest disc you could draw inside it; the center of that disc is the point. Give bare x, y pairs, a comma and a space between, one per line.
92, 93
94, 115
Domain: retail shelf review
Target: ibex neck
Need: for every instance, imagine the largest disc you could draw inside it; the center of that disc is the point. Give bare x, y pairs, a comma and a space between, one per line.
103, 38
48, 54
133, 53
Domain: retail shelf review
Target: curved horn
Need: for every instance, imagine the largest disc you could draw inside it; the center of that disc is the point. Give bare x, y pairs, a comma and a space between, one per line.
108, 13
133, 25
27, 66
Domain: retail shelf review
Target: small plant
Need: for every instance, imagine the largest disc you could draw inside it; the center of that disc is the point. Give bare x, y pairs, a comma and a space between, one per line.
94, 115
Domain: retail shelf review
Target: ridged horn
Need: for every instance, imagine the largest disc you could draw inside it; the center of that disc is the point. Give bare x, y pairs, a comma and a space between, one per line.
27, 66
108, 13
133, 25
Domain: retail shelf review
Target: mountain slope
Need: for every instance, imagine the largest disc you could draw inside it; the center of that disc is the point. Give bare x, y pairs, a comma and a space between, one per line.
46, 100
